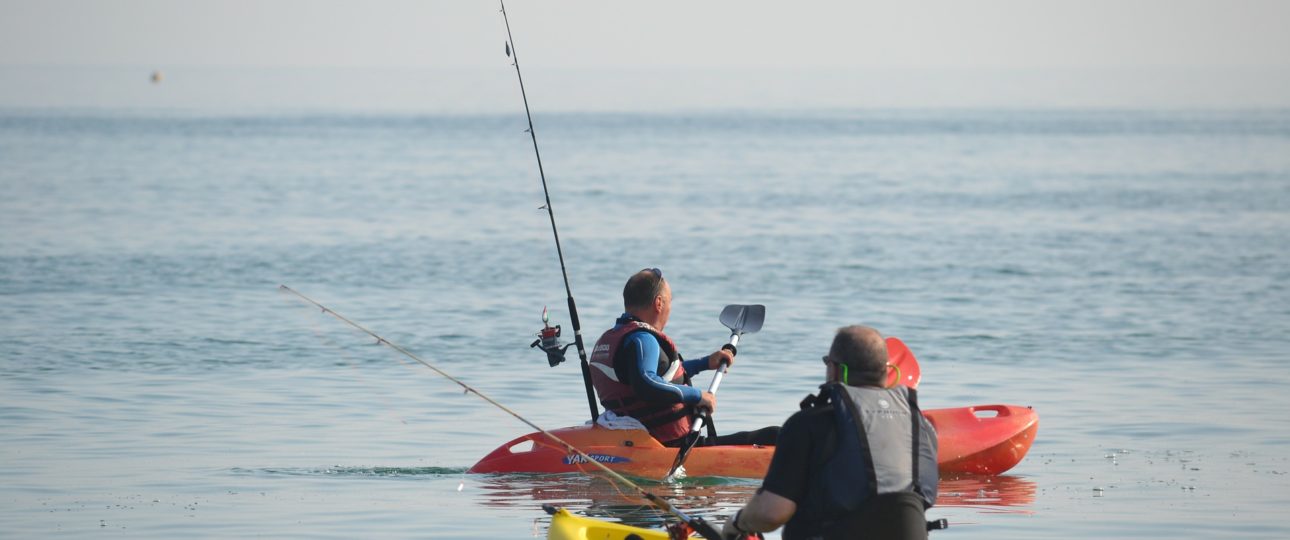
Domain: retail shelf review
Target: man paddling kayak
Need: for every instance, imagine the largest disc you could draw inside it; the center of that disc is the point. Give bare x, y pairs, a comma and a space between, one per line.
858, 461
638, 372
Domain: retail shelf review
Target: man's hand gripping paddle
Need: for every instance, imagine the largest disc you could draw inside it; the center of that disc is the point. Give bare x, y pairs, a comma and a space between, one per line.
740, 319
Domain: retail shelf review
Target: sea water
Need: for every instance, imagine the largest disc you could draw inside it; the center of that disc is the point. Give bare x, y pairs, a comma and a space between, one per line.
1124, 273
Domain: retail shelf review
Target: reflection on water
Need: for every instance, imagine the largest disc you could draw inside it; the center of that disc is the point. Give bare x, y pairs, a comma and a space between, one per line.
1001, 493
353, 471
599, 497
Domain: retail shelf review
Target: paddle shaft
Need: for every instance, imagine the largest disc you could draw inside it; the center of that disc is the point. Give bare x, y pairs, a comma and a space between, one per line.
716, 380
740, 319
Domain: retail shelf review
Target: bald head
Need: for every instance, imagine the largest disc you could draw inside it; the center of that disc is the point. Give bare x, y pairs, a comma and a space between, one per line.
864, 351
642, 288
648, 297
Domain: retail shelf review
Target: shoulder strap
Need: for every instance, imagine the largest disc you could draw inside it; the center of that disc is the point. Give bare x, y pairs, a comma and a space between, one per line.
915, 417
827, 394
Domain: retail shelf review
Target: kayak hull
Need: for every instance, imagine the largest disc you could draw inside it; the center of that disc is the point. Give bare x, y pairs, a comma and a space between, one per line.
566, 526
983, 439
627, 451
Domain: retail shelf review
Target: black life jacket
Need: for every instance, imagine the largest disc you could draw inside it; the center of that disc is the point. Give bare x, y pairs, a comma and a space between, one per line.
882, 444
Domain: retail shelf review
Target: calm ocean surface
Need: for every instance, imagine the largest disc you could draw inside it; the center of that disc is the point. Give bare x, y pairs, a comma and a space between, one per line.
1125, 273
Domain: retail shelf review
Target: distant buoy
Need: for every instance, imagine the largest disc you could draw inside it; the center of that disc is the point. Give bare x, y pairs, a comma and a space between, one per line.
156, 77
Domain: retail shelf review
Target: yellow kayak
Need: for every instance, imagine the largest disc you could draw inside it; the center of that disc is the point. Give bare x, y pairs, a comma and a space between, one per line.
566, 526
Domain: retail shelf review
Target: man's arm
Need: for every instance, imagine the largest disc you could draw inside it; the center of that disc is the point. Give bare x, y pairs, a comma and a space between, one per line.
711, 361
765, 512
645, 379
695, 366
785, 483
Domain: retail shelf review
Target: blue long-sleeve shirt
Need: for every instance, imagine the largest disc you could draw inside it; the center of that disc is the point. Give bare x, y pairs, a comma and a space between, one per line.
645, 379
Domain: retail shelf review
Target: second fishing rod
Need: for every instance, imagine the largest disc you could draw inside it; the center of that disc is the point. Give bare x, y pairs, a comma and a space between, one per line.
548, 338
700, 525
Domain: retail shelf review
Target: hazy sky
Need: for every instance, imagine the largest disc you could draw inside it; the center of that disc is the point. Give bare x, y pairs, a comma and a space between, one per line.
1239, 48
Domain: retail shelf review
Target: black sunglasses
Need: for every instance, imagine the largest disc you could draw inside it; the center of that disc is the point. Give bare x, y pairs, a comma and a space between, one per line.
845, 375
657, 273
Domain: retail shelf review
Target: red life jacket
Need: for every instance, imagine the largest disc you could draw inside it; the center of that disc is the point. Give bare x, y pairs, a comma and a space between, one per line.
665, 421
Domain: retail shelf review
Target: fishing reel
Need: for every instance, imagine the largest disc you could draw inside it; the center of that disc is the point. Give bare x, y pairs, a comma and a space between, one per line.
549, 341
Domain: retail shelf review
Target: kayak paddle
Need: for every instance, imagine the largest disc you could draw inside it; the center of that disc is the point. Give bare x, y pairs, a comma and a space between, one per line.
740, 319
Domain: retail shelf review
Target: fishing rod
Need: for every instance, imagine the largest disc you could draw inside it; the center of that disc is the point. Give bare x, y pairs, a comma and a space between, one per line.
548, 339
698, 523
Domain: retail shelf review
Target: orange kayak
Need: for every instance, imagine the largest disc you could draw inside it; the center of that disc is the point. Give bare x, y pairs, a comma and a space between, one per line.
984, 439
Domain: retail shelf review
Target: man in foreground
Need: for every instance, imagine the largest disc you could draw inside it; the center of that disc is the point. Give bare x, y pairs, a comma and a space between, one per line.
859, 461
638, 372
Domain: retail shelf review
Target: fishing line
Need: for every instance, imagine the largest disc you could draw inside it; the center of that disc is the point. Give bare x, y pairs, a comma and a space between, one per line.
697, 522
352, 362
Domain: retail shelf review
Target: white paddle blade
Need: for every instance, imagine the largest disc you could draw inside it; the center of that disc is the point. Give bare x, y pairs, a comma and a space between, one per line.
743, 319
